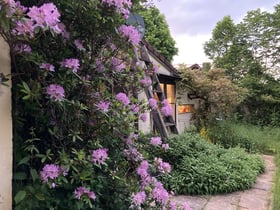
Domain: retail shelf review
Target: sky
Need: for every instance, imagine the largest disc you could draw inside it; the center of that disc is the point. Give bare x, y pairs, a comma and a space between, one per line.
191, 22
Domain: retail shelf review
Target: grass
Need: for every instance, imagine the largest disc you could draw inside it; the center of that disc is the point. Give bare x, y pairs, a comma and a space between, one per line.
276, 191
254, 139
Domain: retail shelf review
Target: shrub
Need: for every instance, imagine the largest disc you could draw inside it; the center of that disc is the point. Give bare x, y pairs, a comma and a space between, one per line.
199, 167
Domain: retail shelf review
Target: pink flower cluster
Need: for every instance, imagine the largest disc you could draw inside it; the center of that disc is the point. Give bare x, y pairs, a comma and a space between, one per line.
146, 81
133, 154
163, 167
159, 193
153, 103
117, 64
143, 117
80, 191
135, 108
122, 97
138, 198
155, 141
47, 66
56, 92
166, 108
121, 6
103, 106
22, 48
51, 172
78, 43
45, 17
131, 33
71, 63
99, 156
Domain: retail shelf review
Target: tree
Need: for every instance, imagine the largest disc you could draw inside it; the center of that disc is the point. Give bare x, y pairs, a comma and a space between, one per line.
218, 94
158, 33
248, 51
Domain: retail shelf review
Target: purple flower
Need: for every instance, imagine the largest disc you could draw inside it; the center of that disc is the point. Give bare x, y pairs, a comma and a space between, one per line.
135, 108
131, 33
166, 110
50, 171
99, 156
153, 103
160, 194
55, 92
138, 198
121, 6
22, 48
146, 81
24, 27
142, 169
122, 97
117, 64
78, 43
172, 205
47, 66
103, 106
45, 16
155, 67
165, 102
92, 195
143, 117
99, 66
71, 63
155, 141
80, 191
133, 154
165, 146
163, 167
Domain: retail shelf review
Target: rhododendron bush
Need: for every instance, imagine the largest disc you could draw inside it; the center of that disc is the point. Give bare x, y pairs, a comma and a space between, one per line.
76, 81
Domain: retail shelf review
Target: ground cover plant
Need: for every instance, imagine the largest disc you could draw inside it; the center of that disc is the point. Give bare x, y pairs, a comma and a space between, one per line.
76, 79
200, 167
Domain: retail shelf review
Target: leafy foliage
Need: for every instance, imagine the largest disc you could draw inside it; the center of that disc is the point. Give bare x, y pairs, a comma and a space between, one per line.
200, 167
219, 95
248, 52
158, 33
75, 103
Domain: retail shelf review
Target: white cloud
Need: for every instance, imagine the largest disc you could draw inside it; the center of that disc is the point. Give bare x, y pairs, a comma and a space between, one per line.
190, 49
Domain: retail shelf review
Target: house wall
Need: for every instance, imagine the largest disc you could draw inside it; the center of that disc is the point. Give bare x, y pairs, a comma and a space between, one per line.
5, 132
184, 120
145, 127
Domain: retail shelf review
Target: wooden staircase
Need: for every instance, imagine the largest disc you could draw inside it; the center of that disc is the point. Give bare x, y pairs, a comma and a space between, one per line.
162, 124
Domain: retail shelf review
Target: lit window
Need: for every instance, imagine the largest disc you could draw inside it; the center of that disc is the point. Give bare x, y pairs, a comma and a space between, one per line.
186, 108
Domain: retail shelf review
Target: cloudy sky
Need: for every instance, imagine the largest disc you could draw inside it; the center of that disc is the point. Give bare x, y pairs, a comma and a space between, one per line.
192, 21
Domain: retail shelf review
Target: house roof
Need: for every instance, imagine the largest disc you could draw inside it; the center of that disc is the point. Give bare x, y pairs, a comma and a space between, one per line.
195, 67
161, 59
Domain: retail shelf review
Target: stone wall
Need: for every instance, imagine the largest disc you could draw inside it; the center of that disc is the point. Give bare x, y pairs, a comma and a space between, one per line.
6, 146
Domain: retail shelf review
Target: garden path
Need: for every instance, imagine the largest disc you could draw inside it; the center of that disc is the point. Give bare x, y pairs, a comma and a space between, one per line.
259, 197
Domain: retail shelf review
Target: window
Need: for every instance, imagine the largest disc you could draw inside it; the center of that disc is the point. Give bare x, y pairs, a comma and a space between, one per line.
169, 92
186, 108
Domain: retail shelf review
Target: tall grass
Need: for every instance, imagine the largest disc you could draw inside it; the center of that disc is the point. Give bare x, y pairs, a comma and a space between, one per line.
276, 191
253, 138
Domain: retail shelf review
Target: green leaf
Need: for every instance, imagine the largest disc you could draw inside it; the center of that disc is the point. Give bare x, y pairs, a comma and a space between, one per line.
24, 160
34, 174
20, 196
25, 86
40, 196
